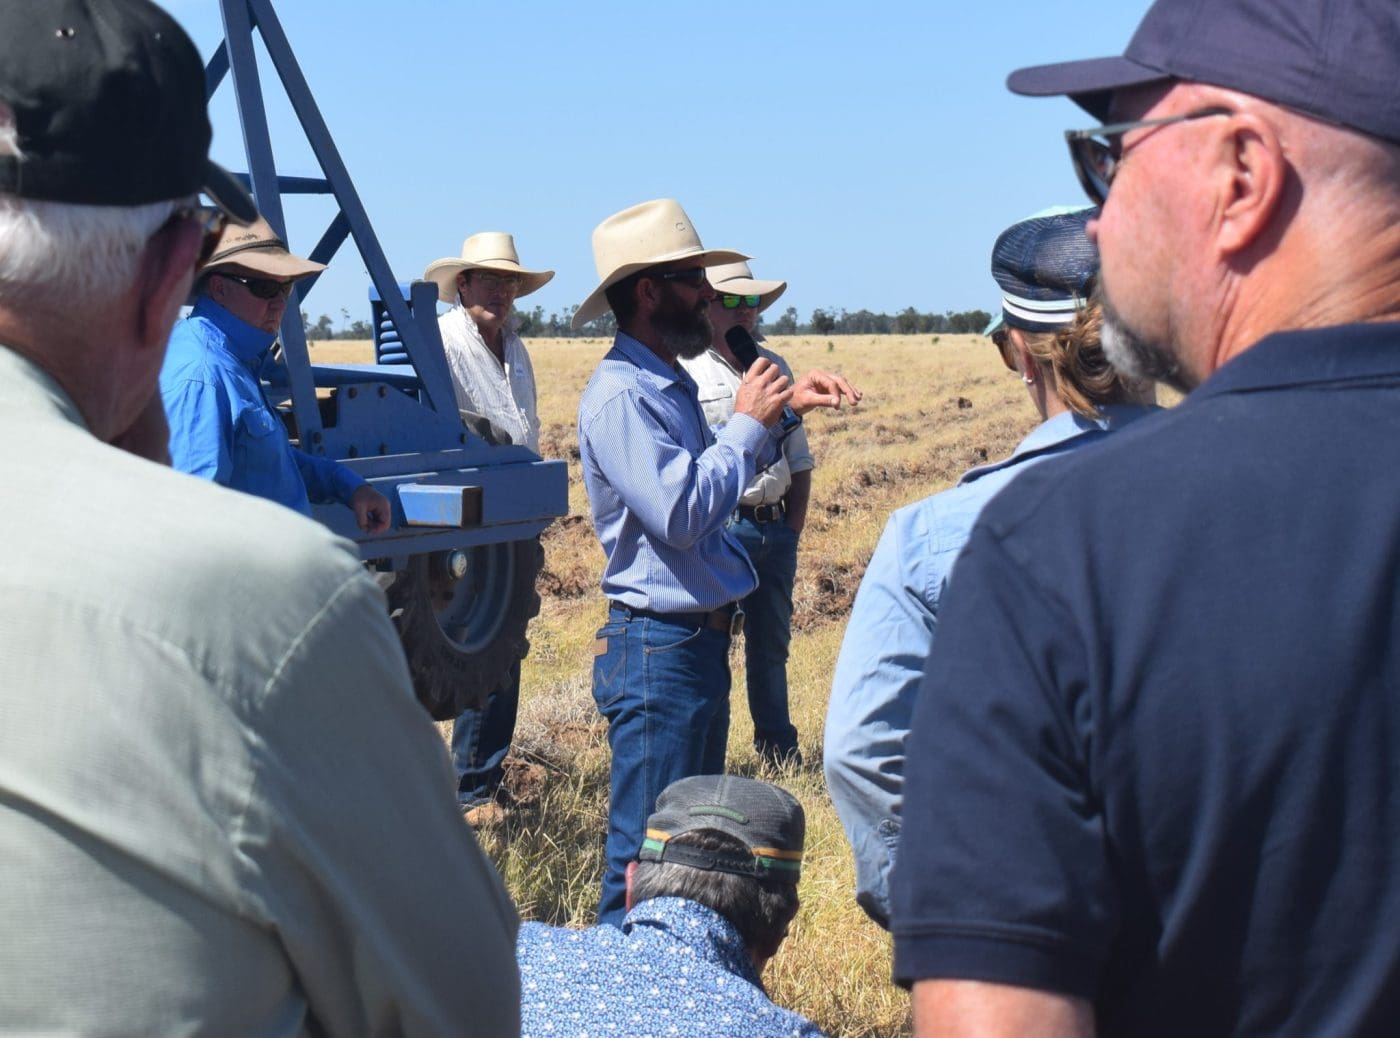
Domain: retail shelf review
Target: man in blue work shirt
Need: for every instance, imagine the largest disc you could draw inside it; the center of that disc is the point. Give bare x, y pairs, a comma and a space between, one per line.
221, 425
1153, 782
710, 897
662, 489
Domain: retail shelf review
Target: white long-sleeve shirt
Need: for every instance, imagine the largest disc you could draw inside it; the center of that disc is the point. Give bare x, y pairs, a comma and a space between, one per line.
504, 393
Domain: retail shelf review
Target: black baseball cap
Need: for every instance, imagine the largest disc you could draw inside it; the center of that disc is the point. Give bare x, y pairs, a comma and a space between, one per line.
766, 818
1336, 60
109, 109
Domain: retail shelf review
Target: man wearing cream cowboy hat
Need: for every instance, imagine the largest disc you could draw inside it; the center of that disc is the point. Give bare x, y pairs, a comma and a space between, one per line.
771, 513
661, 488
491, 371
493, 379
221, 425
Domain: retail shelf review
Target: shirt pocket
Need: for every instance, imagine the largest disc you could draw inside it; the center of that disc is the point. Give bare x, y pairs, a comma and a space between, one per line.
717, 403
258, 423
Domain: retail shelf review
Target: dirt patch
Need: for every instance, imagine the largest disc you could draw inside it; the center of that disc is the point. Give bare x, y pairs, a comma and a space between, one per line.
572, 559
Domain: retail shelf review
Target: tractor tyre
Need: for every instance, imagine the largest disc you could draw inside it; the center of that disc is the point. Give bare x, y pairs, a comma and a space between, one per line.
462, 633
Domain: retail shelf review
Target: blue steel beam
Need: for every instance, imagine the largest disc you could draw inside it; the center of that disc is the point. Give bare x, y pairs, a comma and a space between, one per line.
426, 353
238, 18
295, 185
216, 70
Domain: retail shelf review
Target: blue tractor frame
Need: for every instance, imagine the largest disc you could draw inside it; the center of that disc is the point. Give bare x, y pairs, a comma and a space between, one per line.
459, 564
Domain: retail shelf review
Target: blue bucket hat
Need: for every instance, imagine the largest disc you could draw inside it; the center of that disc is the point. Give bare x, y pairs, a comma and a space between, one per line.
1045, 266
1335, 60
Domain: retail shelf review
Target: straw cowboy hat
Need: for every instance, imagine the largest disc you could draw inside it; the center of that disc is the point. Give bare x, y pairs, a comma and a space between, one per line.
489, 250
646, 235
736, 279
258, 248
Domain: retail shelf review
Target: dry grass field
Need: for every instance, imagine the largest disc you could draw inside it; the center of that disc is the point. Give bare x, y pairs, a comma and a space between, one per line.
933, 408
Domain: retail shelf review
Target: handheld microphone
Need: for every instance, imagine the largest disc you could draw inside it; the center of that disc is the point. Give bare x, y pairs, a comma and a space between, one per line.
742, 344
745, 351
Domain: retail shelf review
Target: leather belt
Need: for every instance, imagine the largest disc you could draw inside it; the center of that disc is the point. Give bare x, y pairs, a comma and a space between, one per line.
762, 513
728, 619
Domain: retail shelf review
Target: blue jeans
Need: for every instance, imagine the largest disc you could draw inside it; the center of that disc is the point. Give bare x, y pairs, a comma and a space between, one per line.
481, 740
772, 548
664, 690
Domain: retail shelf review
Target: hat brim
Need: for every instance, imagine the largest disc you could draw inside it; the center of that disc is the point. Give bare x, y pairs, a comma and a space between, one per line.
597, 302
767, 291
1090, 83
274, 263
229, 194
443, 273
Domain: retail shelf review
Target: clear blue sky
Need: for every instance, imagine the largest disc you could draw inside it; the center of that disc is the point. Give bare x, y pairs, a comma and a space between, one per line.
867, 153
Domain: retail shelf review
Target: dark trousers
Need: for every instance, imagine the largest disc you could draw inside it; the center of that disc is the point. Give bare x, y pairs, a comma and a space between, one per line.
772, 548
481, 740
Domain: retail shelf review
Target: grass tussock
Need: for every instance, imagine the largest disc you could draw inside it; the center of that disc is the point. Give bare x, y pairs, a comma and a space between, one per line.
931, 411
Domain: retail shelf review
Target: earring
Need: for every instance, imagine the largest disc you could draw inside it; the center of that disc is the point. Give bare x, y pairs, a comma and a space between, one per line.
1028, 380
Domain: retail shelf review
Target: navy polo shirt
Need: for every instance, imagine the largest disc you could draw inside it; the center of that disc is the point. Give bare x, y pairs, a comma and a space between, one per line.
1156, 758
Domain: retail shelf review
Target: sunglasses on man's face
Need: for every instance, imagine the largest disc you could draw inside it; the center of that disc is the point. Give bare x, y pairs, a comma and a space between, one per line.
1097, 153
262, 288
692, 276
731, 302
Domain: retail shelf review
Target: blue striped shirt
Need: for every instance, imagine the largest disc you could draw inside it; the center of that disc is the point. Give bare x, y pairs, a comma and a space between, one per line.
662, 487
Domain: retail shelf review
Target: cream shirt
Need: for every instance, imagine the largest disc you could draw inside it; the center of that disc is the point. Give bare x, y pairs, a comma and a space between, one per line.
503, 393
718, 383
221, 809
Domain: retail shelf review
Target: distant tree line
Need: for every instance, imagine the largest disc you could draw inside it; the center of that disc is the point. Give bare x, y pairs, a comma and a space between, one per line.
830, 321
536, 323
321, 329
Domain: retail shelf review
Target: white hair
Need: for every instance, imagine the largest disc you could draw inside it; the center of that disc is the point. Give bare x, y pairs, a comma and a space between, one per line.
55, 251
58, 253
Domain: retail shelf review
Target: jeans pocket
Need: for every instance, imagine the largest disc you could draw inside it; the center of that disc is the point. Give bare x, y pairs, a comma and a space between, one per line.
672, 638
609, 667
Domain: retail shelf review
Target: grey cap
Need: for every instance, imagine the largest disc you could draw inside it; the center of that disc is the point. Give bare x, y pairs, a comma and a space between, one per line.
767, 819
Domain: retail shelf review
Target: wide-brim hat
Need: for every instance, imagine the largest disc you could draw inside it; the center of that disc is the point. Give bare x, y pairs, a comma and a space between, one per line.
488, 250
646, 235
736, 279
258, 248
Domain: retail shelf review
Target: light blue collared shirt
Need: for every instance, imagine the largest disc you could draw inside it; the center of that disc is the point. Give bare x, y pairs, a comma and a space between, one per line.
221, 426
662, 487
888, 638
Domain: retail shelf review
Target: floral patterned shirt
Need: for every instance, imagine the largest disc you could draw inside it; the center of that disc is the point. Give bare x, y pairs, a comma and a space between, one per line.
675, 968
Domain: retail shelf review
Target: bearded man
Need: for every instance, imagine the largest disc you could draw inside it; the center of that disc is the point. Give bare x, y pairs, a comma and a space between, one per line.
662, 489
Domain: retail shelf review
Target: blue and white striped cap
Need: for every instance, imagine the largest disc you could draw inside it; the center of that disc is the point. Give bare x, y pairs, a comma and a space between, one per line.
1044, 265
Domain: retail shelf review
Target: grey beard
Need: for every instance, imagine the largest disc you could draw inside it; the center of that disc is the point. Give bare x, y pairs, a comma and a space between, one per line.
687, 340
1135, 358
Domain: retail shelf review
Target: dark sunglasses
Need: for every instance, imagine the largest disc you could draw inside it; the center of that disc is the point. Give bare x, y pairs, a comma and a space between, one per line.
263, 288
693, 276
1096, 153
730, 302
211, 220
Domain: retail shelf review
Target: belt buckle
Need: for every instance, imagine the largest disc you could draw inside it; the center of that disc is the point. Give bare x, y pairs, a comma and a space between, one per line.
736, 621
